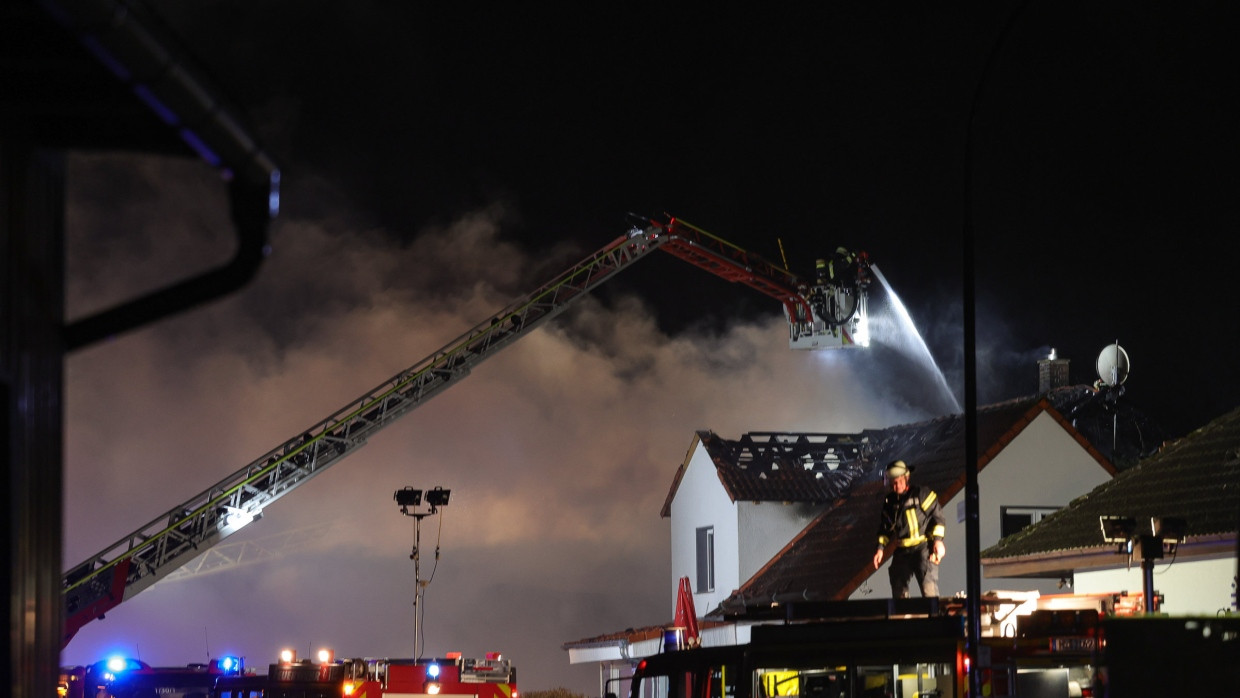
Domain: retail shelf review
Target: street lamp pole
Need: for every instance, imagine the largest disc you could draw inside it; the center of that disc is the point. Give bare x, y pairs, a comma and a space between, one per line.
973, 580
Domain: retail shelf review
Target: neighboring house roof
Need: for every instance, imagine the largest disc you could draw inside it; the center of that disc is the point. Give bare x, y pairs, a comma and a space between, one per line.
832, 556
1196, 478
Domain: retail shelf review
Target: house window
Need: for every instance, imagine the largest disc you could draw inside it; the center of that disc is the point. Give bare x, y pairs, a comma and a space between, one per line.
1013, 519
705, 559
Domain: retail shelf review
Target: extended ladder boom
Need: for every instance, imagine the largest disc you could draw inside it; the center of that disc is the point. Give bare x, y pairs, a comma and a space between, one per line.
176, 537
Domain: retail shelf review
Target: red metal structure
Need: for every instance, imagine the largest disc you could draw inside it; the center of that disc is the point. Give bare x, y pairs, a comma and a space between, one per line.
448, 677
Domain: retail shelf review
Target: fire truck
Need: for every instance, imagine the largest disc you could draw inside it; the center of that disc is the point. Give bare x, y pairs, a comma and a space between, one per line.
452, 676
1032, 647
825, 311
1063, 649
121, 677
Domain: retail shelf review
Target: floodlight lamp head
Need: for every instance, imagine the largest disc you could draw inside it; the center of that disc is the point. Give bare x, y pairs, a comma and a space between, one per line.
407, 497
438, 497
1171, 529
1117, 529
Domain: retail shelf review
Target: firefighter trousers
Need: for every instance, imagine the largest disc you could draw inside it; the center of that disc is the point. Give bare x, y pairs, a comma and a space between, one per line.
913, 563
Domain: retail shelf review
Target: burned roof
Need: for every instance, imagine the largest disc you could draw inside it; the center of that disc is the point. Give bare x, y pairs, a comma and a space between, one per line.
782, 466
832, 556
1196, 478
819, 468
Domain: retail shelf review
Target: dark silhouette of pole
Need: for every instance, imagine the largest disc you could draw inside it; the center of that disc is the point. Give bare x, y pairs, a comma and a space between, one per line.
973, 580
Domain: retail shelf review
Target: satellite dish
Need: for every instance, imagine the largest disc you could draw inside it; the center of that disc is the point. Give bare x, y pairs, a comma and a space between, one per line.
1113, 365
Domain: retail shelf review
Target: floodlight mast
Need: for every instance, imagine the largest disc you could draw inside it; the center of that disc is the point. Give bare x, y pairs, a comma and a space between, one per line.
406, 498
1165, 531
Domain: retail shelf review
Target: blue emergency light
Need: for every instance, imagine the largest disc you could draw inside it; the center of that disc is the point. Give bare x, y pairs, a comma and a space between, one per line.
111, 668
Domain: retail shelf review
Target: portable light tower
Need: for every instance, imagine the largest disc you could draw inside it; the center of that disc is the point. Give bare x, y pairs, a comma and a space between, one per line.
409, 499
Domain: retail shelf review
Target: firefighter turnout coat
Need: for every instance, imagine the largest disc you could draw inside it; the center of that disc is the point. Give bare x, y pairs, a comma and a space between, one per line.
911, 519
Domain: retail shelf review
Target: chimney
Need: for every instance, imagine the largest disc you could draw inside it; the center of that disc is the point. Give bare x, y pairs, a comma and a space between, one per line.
1052, 372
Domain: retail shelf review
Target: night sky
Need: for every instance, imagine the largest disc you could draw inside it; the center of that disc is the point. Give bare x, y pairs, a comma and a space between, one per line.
441, 161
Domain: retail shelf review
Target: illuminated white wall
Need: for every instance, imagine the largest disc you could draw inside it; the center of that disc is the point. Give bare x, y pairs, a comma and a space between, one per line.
1199, 587
765, 528
701, 501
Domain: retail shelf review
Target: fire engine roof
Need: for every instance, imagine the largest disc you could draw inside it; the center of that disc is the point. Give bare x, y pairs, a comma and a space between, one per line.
631, 635
1196, 478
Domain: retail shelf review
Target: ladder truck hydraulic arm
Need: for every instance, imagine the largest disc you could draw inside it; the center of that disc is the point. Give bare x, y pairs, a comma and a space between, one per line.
826, 312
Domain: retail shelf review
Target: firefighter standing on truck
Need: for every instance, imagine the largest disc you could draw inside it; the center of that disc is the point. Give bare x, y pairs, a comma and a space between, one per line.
912, 518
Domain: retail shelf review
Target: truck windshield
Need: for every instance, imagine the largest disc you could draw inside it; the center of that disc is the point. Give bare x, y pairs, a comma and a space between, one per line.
798, 679
848, 681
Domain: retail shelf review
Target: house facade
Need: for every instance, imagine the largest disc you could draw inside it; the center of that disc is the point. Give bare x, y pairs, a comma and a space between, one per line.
1196, 480
774, 516
729, 519
1031, 460
1039, 467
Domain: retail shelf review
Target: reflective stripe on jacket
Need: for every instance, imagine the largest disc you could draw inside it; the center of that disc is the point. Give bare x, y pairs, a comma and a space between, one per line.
911, 518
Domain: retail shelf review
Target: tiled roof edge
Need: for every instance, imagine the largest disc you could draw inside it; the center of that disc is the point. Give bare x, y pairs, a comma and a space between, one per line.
666, 511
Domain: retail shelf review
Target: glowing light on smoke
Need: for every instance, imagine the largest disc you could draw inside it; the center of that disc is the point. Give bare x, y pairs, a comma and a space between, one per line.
862, 336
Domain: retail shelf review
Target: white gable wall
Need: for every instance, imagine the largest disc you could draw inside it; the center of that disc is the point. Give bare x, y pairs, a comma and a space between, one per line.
700, 501
1042, 467
747, 534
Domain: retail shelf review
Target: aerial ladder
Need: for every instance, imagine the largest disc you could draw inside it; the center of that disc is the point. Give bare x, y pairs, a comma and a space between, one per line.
826, 312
